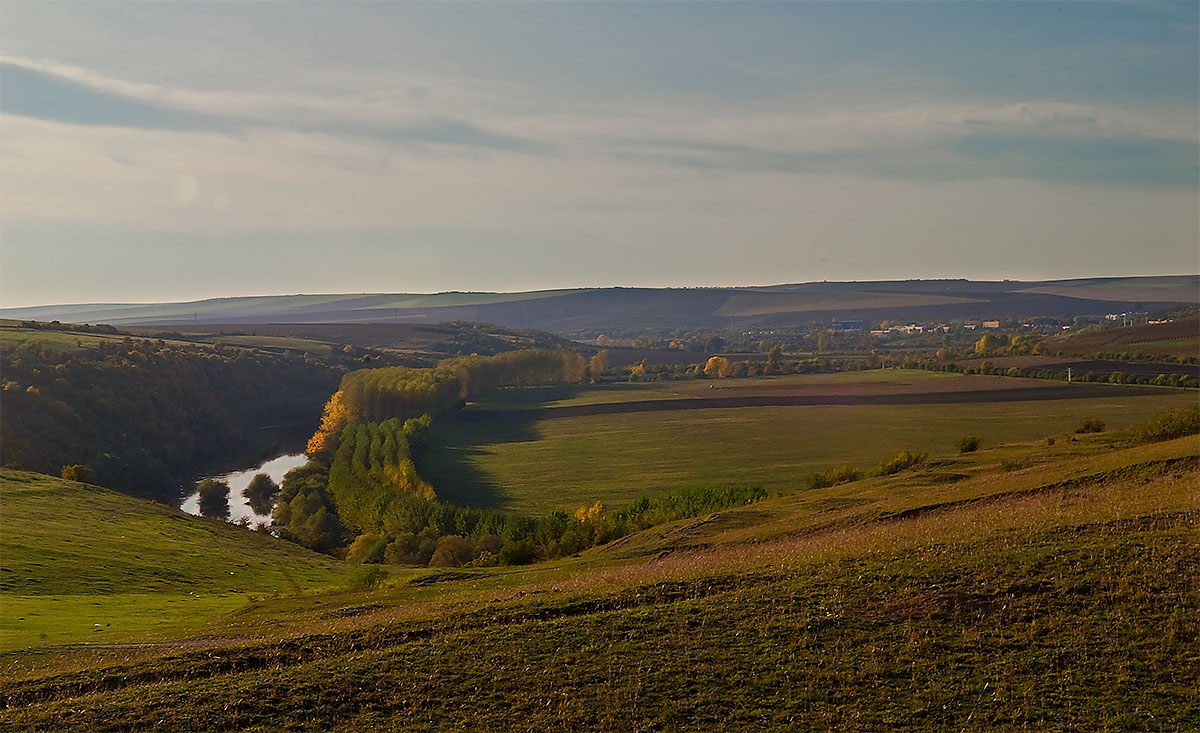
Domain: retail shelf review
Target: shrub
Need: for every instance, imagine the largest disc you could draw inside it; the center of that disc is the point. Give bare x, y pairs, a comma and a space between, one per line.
367, 577
968, 444
367, 549
1090, 425
1010, 465
842, 474
80, 472
897, 462
1168, 425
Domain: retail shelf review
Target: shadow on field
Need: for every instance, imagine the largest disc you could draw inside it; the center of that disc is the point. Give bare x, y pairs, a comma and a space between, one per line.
448, 461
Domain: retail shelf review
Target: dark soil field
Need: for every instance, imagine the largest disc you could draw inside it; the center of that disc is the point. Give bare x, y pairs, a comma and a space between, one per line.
798, 396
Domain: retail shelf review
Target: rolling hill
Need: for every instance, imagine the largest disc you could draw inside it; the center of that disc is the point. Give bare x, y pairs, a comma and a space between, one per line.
584, 311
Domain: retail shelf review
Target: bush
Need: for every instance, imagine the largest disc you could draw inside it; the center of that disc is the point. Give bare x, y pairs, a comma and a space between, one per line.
368, 577
1168, 425
1090, 425
897, 462
968, 444
367, 549
842, 474
80, 472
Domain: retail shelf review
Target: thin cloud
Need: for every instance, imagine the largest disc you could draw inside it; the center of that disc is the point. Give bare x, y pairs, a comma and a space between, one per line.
60, 94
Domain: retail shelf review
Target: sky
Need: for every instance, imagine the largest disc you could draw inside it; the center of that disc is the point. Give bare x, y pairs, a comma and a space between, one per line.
177, 151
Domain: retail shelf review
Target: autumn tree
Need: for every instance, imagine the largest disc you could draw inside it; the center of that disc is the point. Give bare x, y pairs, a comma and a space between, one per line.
718, 367
324, 442
597, 365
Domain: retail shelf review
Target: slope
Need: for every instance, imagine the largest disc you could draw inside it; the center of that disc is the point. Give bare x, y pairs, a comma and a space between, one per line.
1059, 595
85, 564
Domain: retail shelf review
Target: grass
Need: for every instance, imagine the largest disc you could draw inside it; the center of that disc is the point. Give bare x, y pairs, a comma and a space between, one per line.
539, 464
84, 564
309, 346
1062, 596
12, 336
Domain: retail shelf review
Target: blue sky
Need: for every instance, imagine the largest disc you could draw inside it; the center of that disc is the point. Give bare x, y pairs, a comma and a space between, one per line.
178, 151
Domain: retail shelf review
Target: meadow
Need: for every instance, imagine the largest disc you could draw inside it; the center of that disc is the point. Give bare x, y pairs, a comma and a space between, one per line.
1061, 594
511, 451
82, 564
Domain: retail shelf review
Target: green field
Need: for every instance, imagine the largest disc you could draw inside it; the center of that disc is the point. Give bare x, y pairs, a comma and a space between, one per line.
308, 346
1062, 595
85, 564
11, 336
539, 463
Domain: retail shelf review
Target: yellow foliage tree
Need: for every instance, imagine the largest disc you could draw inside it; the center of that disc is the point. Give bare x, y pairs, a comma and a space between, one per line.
598, 364
324, 441
718, 366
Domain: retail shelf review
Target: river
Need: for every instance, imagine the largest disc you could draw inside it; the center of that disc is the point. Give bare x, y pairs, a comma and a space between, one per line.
239, 480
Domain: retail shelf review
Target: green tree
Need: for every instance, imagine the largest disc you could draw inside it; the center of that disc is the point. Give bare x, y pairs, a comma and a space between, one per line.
260, 493
774, 360
214, 498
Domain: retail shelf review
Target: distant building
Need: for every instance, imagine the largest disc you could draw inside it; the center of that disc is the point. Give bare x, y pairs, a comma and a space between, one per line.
991, 324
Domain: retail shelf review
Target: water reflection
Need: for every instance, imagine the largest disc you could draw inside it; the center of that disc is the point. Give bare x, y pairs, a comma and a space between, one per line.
239, 480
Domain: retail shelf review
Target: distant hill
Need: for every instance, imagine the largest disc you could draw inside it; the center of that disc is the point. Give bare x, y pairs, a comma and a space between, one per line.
590, 310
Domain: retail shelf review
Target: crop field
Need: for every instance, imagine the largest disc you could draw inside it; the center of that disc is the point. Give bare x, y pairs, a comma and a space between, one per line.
539, 450
1059, 595
1180, 337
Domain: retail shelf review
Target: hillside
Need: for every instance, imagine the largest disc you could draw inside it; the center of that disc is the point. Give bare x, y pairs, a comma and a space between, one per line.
1057, 592
1176, 338
583, 311
82, 564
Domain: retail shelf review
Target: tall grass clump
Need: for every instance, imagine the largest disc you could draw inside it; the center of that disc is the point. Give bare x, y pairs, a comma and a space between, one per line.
1168, 425
968, 444
842, 474
1090, 425
897, 462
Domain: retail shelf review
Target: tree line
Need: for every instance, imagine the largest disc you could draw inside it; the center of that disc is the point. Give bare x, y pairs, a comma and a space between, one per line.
138, 414
361, 491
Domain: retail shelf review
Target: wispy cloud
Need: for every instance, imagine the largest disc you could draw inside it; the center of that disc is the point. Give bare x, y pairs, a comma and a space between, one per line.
73, 96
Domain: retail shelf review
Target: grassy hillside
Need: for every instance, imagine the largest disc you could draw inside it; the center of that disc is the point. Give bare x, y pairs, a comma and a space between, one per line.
1061, 595
526, 458
85, 564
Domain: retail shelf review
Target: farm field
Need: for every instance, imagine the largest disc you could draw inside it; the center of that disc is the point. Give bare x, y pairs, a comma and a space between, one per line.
535, 451
1180, 337
1058, 595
